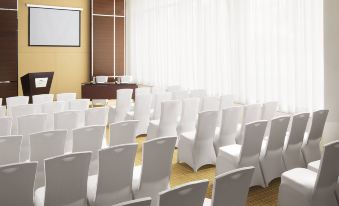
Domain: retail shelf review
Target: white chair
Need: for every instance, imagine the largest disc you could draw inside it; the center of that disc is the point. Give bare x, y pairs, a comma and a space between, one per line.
180, 95
302, 187
231, 188
44, 145
271, 161
66, 97
210, 104
167, 125
154, 174
226, 101
198, 93
51, 108
158, 99
269, 109
173, 88
101, 79
192, 193
3, 111
141, 112
89, 139
22, 110
142, 90
252, 113
123, 105
146, 201
79, 104
292, 154
17, 181
42, 98
15, 101
28, 125
66, 181
189, 115
123, 132
96, 116
226, 134
10, 149
113, 184
196, 148
235, 156
69, 120
311, 145
5, 126
126, 79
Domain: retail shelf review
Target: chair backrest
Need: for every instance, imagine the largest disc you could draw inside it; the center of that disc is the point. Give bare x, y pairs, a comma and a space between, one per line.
318, 124
3, 110
66, 179
10, 149
210, 104
66, 97
115, 183
88, 139
231, 119
101, 79
51, 108
22, 110
252, 113
142, 90
123, 132
42, 98
146, 201
329, 168
158, 99
297, 132
192, 193
253, 137
268, 110
142, 106
16, 101
189, 114
79, 104
207, 122
226, 101
170, 111
232, 187
198, 93
69, 120
123, 105
17, 181
156, 169
180, 95
5, 126
278, 131
96, 116
173, 88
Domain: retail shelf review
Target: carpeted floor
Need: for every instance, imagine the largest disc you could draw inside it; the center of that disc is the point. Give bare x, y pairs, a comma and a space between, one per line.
182, 173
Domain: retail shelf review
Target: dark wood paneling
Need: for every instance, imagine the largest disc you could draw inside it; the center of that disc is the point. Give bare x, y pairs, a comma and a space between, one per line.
8, 46
103, 7
103, 48
8, 4
120, 7
8, 90
119, 46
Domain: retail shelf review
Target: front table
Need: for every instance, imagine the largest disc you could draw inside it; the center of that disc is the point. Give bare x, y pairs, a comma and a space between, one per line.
104, 91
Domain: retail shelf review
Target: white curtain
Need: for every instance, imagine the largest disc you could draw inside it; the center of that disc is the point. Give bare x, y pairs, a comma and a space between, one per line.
258, 50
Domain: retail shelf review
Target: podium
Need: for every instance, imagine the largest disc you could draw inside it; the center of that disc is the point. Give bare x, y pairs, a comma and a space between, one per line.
36, 83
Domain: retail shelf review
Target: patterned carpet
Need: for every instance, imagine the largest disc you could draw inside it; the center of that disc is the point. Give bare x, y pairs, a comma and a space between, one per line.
182, 173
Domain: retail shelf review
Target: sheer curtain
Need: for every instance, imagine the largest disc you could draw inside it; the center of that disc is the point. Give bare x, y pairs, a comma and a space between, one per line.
258, 50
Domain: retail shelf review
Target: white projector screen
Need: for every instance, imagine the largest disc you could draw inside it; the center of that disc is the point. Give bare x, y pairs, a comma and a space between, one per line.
54, 27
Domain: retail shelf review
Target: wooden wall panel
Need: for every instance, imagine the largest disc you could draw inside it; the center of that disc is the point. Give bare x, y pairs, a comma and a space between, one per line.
8, 46
105, 7
8, 4
8, 90
103, 50
119, 46
120, 7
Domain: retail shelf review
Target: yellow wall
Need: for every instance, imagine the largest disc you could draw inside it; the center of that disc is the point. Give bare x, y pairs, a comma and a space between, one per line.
70, 64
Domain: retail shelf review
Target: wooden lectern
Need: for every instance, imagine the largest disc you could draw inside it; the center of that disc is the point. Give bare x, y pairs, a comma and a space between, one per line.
36, 83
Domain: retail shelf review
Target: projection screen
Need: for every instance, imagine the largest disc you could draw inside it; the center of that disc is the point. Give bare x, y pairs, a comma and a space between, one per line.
54, 26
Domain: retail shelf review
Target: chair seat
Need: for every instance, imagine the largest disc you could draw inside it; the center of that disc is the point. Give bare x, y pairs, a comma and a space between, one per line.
136, 178
230, 150
92, 184
39, 196
155, 122
300, 179
188, 136
314, 166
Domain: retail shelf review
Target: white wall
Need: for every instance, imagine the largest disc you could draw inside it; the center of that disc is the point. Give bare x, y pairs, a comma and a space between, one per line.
331, 61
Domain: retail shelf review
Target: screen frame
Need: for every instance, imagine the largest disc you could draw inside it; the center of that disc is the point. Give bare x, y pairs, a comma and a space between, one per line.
29, 28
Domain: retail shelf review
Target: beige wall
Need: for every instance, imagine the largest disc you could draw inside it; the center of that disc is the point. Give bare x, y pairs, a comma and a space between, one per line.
331, 61
70, 64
